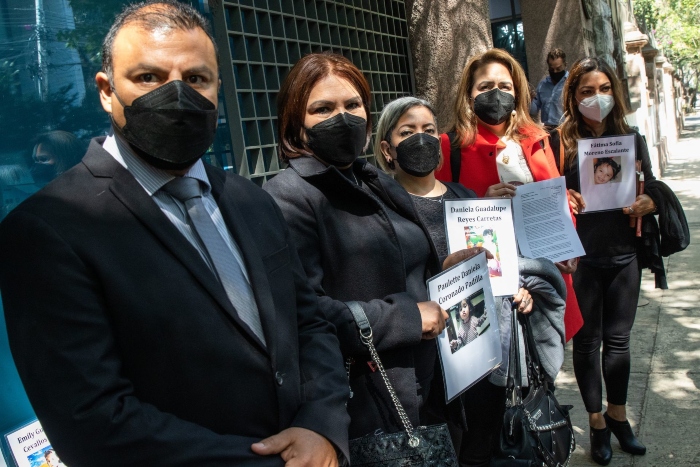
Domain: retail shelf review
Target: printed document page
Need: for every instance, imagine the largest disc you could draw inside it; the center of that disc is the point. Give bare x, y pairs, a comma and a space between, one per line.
543, 224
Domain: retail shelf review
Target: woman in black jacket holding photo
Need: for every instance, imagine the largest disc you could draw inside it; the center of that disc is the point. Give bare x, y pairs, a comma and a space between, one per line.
359, 238
608, 279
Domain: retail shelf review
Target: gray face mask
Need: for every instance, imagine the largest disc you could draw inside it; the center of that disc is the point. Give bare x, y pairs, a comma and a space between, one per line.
596, 107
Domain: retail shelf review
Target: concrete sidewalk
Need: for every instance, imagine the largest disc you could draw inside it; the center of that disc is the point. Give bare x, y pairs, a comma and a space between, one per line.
664, 393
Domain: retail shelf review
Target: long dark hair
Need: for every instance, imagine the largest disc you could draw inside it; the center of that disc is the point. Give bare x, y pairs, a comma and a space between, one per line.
573, 123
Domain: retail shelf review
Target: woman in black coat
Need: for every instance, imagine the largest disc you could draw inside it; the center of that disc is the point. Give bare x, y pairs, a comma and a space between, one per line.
410, 150
359, 238
608, 278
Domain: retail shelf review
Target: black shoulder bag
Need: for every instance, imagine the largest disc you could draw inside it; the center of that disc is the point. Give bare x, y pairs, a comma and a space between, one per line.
422, 446
536, 430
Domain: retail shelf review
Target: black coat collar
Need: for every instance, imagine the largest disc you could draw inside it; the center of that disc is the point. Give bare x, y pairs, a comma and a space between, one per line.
330, 180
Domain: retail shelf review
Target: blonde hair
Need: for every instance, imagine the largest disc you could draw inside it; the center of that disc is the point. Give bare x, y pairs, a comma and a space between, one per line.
465, 121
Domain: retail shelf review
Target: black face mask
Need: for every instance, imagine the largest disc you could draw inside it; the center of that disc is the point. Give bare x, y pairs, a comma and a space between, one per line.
494, 107
171, 126
556, 75
42, 173
419, 154
338, 140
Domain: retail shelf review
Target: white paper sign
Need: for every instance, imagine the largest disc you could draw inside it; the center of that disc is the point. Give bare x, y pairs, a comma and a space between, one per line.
29, 447
470, 345
486, 222
543, 225
607, 172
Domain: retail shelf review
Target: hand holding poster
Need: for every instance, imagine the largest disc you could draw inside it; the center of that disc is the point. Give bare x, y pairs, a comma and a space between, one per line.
543, 225
607, 172
487, 223
470, 345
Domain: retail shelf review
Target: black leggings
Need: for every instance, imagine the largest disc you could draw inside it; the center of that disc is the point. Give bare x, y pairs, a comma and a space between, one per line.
608, 300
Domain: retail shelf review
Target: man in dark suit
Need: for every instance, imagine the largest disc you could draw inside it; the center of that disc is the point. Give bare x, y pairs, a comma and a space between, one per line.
138, 342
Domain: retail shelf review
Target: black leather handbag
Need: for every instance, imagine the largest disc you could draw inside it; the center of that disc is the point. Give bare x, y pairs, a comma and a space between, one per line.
536, 430
422, 446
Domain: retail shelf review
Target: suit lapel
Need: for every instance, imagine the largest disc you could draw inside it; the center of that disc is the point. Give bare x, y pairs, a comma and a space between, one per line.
225, 190
132, 195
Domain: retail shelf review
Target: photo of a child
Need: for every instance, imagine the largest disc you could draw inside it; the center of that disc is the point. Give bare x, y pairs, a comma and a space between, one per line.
468, 320
486, 237
606, 170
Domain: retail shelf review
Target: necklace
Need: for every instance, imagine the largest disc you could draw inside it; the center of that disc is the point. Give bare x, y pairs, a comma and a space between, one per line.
432, 198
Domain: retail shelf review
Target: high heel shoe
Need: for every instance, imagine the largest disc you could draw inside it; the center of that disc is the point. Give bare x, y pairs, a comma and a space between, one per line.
601, 452
624, 434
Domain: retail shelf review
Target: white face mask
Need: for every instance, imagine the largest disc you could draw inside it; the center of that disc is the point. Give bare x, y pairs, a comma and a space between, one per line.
596, 107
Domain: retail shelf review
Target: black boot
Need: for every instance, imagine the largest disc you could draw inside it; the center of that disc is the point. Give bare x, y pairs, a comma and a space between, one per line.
624, 434
601, 452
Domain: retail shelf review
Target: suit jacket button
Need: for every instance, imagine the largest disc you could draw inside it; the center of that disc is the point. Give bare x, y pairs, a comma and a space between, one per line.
279, 377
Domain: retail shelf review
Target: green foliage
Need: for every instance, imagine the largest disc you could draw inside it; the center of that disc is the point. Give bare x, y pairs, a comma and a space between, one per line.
647, 13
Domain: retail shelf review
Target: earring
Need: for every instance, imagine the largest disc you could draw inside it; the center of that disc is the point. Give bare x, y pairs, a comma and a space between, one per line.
391, 164
513, 113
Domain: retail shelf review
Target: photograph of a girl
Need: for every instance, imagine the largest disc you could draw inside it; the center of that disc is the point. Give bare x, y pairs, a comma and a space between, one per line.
485, 237
606, 170
471, 319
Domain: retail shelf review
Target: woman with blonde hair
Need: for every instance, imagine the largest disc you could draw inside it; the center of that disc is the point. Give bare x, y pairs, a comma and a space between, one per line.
494, 145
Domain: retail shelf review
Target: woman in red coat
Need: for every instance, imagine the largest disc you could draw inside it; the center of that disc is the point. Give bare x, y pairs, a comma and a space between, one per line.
501, 147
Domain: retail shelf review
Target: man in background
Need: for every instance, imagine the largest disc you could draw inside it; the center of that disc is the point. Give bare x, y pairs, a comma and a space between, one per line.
548, 97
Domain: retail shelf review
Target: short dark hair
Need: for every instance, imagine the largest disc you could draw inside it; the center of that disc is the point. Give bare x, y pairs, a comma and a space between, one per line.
295, 92
66, 149
152, 14
556, 53
613, 165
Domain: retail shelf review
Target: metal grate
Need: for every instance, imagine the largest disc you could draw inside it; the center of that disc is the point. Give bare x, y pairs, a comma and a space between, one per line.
264, 38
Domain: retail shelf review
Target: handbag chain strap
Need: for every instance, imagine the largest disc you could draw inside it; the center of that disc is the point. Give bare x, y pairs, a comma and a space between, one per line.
366, 337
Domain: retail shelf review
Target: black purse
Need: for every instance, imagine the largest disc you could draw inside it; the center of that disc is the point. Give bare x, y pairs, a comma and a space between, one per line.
421, 446
536, 430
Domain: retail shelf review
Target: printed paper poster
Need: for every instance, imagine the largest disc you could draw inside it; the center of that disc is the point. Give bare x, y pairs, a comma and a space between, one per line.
488, 223
470, 345
29, 447
607, 172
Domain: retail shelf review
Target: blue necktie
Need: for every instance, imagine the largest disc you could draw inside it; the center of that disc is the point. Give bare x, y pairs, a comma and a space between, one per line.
238, 290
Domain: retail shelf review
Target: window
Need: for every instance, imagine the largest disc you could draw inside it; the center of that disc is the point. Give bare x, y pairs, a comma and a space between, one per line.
507, 29
265, 38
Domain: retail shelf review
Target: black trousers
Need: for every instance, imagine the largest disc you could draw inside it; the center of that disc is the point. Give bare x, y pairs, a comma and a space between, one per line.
484, 406
608, 300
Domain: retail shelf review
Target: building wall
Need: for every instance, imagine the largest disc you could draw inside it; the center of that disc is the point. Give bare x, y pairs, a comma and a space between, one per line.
443, 35
553, 23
